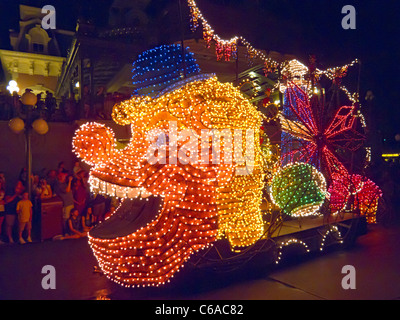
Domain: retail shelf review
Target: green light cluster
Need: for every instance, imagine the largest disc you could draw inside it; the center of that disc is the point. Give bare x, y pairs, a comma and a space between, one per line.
298, 189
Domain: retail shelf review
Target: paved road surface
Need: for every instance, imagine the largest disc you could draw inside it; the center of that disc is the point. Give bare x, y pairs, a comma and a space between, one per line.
376, 258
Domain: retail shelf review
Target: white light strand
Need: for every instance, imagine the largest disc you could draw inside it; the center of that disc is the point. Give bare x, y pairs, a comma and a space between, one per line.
330, 230
287, 243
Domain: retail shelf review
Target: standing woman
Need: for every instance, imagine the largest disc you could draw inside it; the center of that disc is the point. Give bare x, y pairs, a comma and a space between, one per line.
11, 209
80, 196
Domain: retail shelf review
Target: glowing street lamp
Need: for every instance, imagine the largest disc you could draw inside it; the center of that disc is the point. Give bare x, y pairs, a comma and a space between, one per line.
18, 125
13, 86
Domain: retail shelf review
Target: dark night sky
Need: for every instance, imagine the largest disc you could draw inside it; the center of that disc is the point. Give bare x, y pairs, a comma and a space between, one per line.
287, 26
314, 27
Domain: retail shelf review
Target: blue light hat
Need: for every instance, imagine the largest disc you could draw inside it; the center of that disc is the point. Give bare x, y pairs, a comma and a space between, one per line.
162, 69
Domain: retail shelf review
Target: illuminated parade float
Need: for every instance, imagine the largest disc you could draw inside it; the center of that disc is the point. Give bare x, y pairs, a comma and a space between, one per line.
201, 184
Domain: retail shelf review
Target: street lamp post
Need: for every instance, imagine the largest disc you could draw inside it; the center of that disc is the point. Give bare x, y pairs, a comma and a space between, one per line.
29, 100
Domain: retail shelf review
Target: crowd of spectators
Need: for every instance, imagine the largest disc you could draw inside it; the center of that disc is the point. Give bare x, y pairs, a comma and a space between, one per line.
65, 109
81, 210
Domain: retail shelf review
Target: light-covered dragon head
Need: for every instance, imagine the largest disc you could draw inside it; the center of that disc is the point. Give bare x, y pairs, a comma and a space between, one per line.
196, 150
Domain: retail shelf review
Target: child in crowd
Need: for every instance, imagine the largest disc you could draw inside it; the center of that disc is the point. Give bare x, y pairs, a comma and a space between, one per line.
24, 211
75, 225
76, 169
75, 228
88, 219
45, 190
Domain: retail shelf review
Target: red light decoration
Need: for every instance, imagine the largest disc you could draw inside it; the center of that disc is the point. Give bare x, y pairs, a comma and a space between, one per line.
355, 193
320, 143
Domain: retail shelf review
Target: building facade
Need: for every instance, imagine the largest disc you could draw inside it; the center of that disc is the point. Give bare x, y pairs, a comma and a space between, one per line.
35, 61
